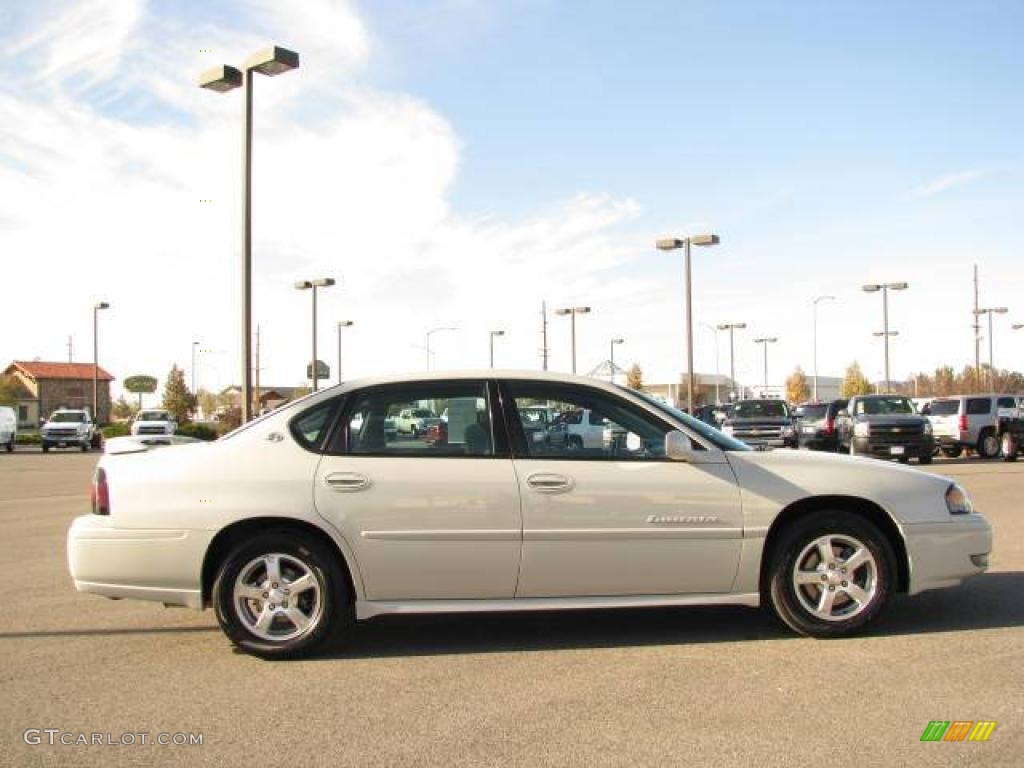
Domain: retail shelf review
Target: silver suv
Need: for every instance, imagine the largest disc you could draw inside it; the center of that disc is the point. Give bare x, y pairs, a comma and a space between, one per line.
968, 421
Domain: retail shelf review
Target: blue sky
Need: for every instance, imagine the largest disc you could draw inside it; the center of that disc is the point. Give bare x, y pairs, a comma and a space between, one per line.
438, 149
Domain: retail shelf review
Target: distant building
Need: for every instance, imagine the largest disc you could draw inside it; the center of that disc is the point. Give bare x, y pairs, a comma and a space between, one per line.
269, 397
828, 389
49, 386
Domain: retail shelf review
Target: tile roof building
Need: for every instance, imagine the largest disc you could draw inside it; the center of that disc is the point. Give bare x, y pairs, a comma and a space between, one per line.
50, 386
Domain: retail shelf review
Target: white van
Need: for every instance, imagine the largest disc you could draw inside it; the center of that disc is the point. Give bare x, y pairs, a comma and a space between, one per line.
8, 427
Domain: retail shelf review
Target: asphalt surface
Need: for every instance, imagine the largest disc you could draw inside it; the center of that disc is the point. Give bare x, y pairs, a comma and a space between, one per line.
712, 686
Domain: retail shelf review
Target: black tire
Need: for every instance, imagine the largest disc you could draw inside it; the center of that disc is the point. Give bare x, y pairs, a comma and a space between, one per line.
952, 453
1009, 447
85, 447
10, 446
922, 459
988, 444
46, 448
906, 459
801, 537
331, 610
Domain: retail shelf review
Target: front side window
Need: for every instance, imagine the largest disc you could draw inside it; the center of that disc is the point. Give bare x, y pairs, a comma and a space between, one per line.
421, 420
310, 427
587, 424
1006, 402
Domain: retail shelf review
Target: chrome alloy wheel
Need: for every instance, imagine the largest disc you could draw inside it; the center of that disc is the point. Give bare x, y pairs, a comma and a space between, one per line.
278, 597
835, 577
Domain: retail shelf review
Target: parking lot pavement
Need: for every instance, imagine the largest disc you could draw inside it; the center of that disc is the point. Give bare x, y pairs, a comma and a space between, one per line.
707, 686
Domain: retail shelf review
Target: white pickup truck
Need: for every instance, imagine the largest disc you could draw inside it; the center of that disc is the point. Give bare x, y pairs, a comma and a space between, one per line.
68, 428
154, 422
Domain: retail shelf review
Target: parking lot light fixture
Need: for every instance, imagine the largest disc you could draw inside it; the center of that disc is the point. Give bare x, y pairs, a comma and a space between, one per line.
430, 333
730, 327
764, 341
572, 312
305, 285
96, 359
991, 363
671, 244
611, 358
885, 288
342, 324
270, 61
491, 337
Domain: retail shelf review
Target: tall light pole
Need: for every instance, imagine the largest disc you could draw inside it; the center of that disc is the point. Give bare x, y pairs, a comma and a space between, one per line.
991, 363
611, 358
305, 285
885, 288
671, 244
96, 358
430, 333
730, 327
342, 324
718, 367
816, 300
764, 342
271, 61
491, 337
194, 345
572, 312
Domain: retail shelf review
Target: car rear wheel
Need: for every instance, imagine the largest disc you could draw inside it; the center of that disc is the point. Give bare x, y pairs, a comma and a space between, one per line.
831, 574
922, 459
281, 595
46, 448
1009, 446
952, 453
988, 445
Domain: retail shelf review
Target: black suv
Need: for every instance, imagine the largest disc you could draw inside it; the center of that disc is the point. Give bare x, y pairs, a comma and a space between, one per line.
816, 425
887, 427
764, 423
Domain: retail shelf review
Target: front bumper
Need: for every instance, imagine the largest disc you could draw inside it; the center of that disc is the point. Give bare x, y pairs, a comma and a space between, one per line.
944, 554
163, 565
65, 441
914, 449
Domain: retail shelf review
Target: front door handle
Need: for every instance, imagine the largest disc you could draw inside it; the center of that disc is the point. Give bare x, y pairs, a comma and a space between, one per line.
548, 482
347, 481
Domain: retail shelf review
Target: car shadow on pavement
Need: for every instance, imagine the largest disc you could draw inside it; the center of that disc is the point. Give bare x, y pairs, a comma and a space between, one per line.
112, 632
989, 601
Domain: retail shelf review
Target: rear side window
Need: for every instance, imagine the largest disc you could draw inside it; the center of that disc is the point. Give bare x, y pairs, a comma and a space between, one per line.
310, 427
977, 406
944, 407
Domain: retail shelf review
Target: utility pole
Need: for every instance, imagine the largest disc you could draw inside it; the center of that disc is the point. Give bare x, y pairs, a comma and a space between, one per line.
71, 358
544, 334
256, 405
977, 331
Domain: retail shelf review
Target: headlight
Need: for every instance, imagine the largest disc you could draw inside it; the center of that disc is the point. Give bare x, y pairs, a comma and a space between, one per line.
927, 427
957, 500
862, 429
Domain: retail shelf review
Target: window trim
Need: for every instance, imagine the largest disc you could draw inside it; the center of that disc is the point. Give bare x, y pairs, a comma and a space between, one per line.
518, 443
336, 404
499, 441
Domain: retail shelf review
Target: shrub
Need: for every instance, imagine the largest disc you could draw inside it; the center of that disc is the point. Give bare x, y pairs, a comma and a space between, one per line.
28, 438
198, 431
117, 429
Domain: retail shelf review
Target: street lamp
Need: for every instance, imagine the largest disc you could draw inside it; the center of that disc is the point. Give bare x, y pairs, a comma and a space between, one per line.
765, 341
342, 324
991, 363
194, 345
671, 244
430, 333
611, 358
271, 61
718, 367
491, 336
730, 327
305, 285
572, 312
96, 358
885, 288
816, 300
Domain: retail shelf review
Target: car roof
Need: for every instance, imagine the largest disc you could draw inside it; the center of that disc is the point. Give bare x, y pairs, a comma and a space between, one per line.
473, 374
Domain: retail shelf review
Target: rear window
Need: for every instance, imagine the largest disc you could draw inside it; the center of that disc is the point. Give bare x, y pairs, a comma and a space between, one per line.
979, 405
944, 407
812, 411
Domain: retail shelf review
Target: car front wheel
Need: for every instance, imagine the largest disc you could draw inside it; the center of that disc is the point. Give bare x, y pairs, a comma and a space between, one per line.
831, 574
281, 595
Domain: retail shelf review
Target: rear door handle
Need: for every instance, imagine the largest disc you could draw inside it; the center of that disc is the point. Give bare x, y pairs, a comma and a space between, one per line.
548, 482
347, 481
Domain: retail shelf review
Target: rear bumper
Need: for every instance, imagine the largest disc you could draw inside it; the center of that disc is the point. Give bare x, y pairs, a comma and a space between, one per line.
163, 565
941, 553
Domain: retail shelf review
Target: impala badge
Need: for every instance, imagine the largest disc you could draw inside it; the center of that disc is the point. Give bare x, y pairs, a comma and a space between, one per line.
681, 519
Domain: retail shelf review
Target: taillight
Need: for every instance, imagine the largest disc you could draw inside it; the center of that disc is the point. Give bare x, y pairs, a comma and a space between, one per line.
830, 426
963, 422
100, 493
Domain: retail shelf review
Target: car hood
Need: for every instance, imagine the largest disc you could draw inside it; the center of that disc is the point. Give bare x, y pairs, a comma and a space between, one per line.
773, 479
892, 418
763, 421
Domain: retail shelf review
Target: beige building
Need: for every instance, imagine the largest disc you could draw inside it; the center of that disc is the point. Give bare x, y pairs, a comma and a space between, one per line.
49, 386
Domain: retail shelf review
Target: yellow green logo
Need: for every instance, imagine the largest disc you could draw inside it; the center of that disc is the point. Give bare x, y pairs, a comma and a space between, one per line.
958, 730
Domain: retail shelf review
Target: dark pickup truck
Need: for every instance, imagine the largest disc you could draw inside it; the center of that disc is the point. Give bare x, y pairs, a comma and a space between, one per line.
761, 423
886, 427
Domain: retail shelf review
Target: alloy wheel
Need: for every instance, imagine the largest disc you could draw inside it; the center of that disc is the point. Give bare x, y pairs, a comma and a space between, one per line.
835, 577
277, 597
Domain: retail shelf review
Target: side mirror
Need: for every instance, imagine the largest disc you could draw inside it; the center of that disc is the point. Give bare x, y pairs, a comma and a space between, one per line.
678, 446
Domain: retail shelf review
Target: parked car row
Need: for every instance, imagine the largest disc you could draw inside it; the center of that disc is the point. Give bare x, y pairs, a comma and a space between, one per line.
74, 428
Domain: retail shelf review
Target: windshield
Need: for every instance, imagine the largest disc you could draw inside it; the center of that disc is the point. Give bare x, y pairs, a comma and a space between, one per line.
944, 407
812, 411
712, 435
153, 416
884, 405
759, 409
69, 417
422, 413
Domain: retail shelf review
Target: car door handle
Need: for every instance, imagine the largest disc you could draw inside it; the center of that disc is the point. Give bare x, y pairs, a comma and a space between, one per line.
347, 481
546, 482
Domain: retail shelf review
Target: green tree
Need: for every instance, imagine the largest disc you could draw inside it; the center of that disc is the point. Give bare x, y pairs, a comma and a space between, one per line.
177, 399
10, 390
635, 378
855, 382
797, 389
122, 409
207, 402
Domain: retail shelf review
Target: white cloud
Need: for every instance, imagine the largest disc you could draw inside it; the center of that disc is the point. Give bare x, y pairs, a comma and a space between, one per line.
945, 183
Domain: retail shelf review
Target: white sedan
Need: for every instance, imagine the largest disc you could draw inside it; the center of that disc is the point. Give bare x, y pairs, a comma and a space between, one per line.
315, 515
